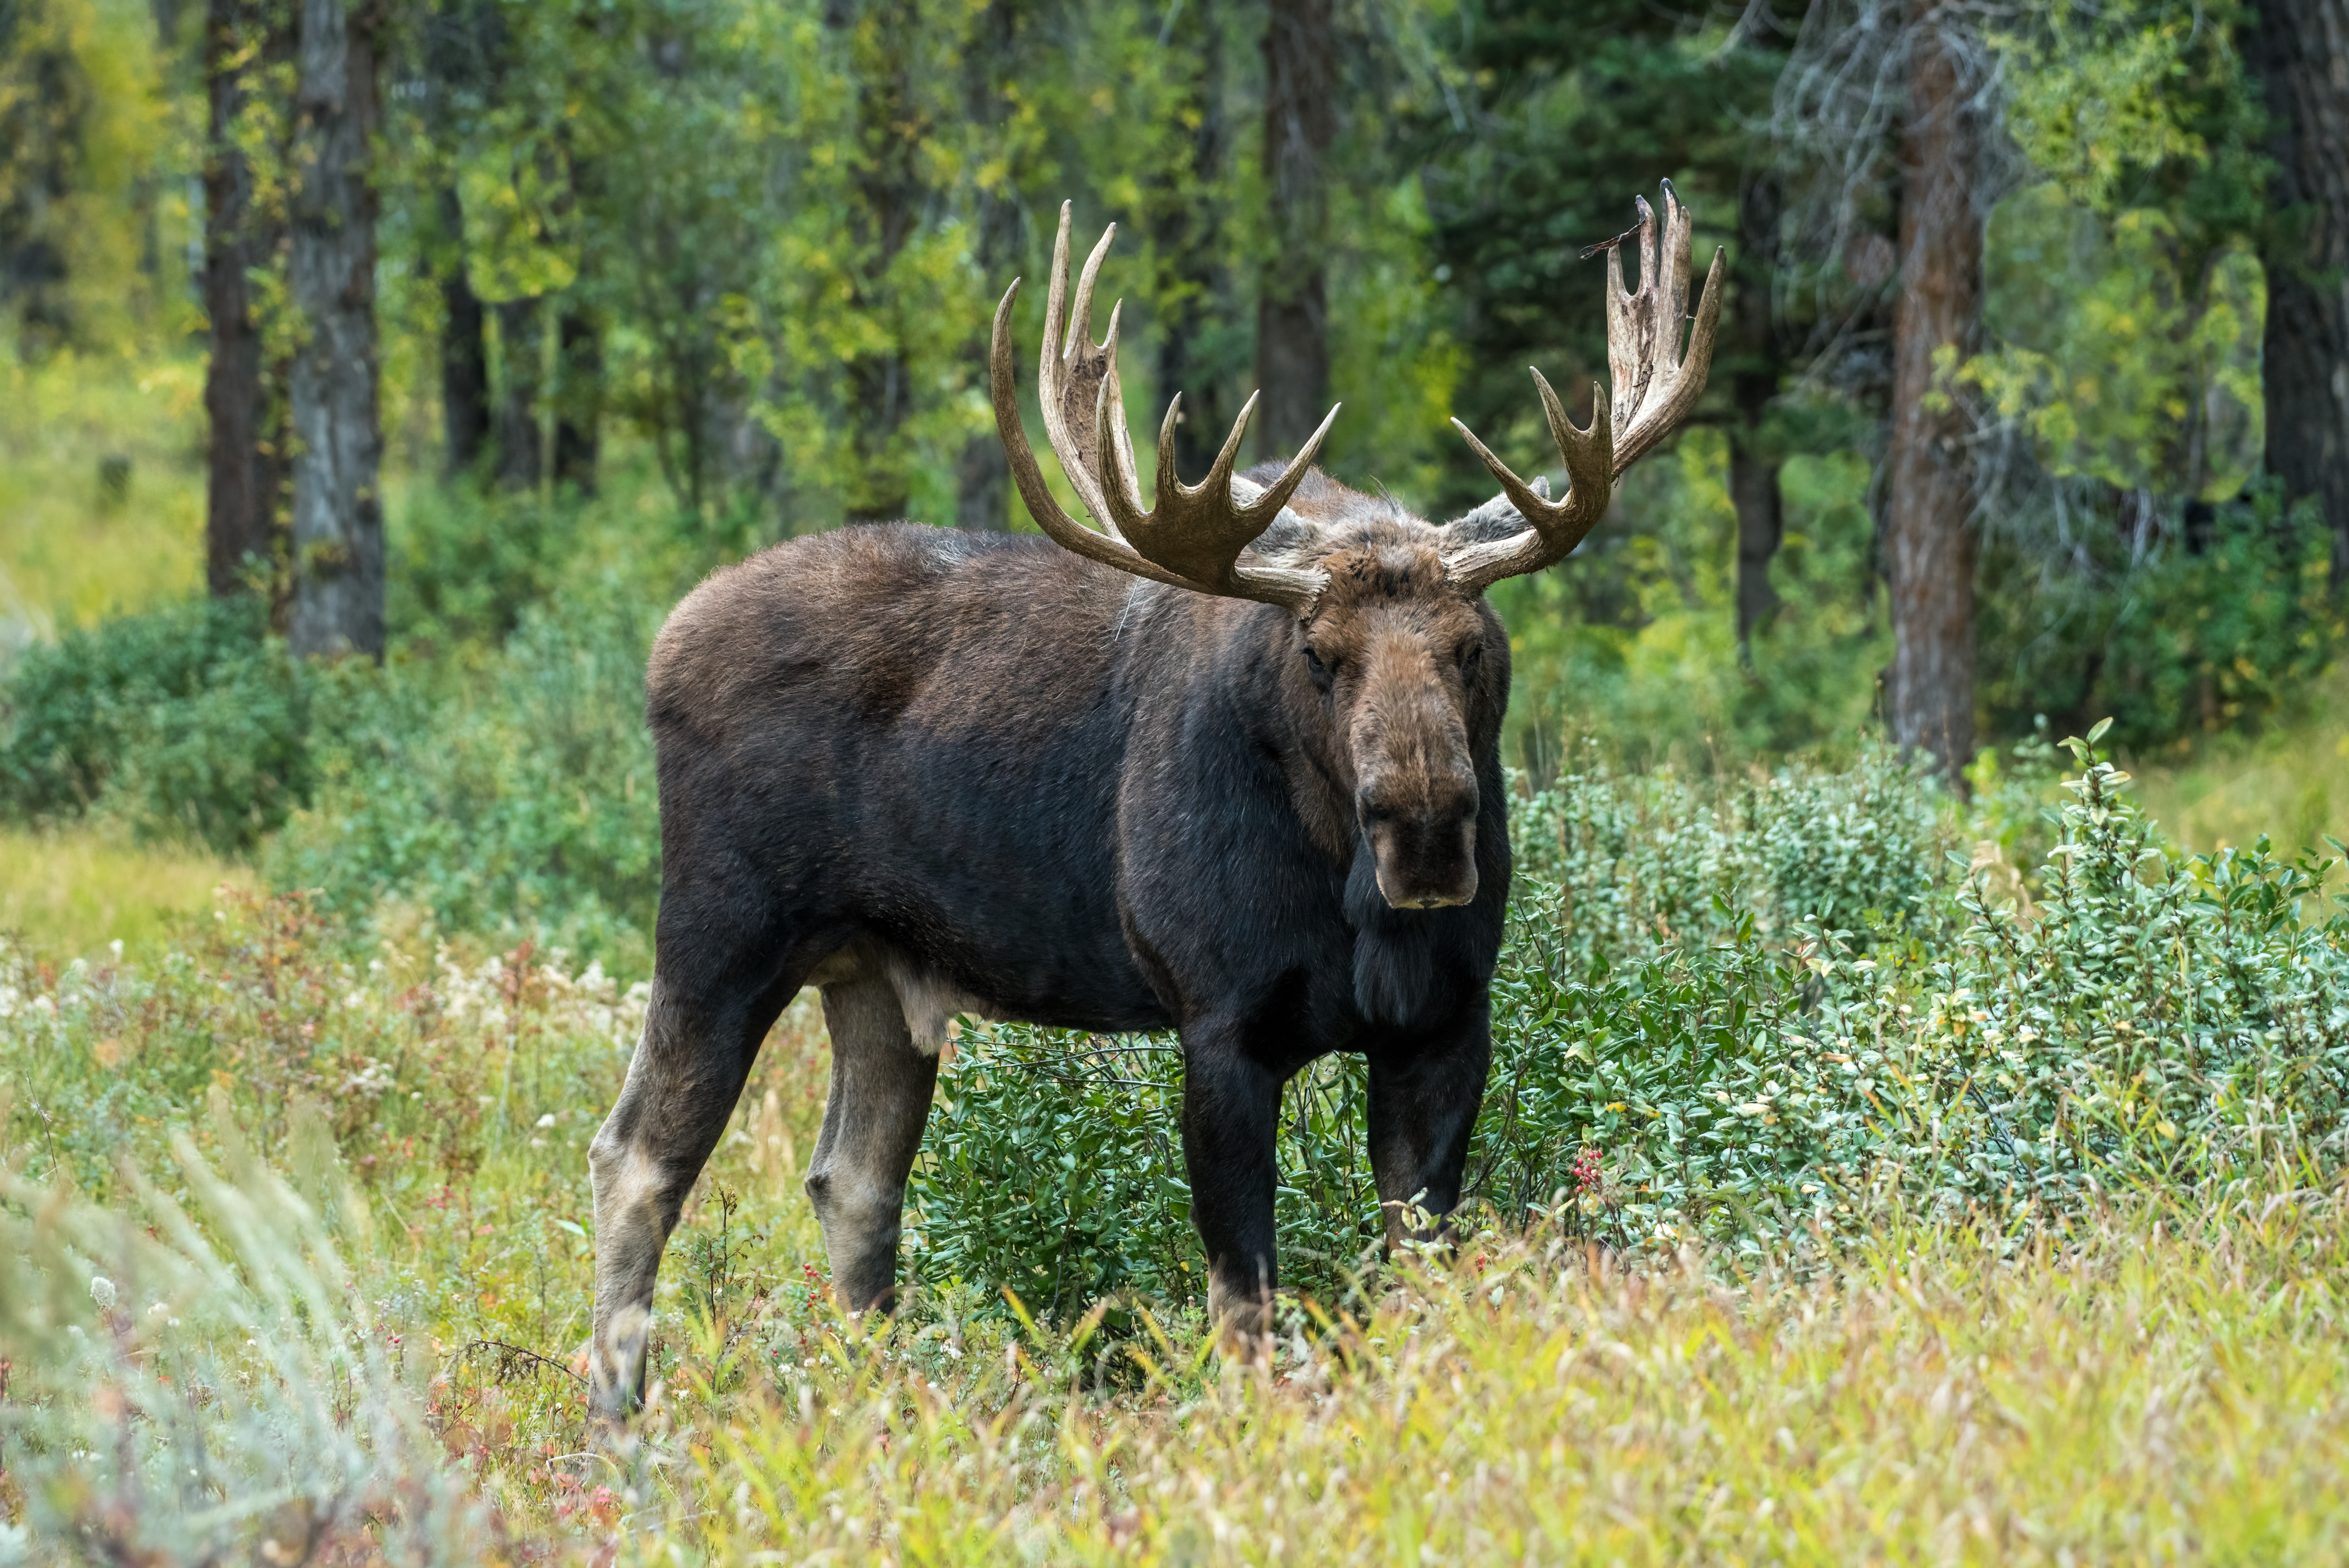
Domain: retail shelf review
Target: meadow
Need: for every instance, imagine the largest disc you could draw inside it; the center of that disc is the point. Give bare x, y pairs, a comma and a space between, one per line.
1867, 1175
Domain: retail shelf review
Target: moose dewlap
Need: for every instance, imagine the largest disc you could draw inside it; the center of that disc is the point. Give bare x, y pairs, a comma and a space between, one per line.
1229, 766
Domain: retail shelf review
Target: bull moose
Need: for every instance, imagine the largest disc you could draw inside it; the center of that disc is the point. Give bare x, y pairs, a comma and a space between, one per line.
1229, 766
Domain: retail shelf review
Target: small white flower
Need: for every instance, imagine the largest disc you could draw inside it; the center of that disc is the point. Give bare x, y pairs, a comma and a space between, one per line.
546, 1120
102, 1290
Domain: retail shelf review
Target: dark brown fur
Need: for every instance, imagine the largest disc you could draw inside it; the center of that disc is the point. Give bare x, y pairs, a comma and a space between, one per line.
930, 771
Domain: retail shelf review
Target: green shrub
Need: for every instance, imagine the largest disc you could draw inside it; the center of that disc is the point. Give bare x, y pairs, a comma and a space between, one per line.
513, 795
186, 722
2168, 642
1751, 1020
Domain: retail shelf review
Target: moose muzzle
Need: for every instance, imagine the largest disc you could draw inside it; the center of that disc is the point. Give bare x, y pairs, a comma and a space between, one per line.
1425, 851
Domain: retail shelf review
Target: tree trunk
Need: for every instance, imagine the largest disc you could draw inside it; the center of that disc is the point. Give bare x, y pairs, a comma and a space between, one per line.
2301, 51
578, 401
1754, 385
982, 475
1292, 342
464, 351
1928, 536
245, 481
338, 434
1187, 224
521, 370
884, 206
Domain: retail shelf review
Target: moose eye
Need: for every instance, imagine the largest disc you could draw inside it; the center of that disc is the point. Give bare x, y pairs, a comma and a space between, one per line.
1471, 655
1322, 673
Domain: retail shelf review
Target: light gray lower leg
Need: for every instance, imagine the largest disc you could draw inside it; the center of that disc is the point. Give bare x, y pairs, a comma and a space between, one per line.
682, 1084
873, 1118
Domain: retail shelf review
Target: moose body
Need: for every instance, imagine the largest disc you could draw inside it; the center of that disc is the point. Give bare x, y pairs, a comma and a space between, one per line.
1250, 791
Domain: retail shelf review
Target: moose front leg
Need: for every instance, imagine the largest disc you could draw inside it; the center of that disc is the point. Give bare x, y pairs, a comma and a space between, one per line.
1423, 1105
1231, 1109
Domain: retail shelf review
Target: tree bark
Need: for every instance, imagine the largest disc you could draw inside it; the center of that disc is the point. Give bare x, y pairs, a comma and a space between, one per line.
464, 352
2300, 49
245, 477
886, 205
982, 475
1187, 224
578, 402
1928, 536
1292, 344
521, 372
339, 561
1754, 385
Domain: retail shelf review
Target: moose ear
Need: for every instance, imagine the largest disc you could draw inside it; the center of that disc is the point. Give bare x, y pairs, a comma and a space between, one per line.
1495, 520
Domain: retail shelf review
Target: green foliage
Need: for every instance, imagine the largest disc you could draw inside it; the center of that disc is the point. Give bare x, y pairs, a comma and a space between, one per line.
1633, 638
2171, 636
1752, 1014
183, 722
2127, 359
89, 130
515, 795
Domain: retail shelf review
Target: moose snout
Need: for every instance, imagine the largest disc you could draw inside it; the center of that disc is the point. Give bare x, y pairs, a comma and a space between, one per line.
1426, 851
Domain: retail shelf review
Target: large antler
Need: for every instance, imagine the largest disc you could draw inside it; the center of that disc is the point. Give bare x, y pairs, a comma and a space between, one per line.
1655, 387
1195, 536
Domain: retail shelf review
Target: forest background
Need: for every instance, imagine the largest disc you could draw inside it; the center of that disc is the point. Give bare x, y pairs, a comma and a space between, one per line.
1898, 1148
2003, 428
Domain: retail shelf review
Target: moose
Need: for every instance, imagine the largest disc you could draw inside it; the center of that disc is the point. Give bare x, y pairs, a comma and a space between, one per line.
1229, 766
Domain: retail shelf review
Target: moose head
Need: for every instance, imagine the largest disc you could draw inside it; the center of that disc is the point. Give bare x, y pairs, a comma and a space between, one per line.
1394, 651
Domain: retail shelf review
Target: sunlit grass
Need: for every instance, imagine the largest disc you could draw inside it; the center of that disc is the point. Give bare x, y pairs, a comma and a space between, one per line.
2156, 1381
2289, 781
70, 550
71, 892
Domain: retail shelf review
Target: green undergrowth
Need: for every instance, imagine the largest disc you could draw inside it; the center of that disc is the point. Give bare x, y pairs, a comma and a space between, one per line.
2031, 1127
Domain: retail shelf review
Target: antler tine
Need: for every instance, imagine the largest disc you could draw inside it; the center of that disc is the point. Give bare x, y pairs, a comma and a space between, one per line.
1068, 366
1194, 538
1042, 505
1196, 531
1555, 527
1655, 387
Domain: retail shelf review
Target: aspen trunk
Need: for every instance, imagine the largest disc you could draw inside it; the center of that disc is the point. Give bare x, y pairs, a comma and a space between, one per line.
1292, 342
1929, 535
520, 350
579, 401
2301, 51
338, 437
245, 477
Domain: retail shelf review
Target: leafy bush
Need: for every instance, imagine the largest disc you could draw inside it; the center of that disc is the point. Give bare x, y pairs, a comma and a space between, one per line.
185, 722
1647, 862
465, 565
2169, 640
514, 797
1777, 1020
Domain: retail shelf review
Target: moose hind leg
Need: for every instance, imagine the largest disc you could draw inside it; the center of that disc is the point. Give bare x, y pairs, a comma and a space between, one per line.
683, 1080
880, 1097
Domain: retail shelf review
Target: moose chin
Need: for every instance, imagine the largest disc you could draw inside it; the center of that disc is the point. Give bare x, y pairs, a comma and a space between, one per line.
1230, 766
